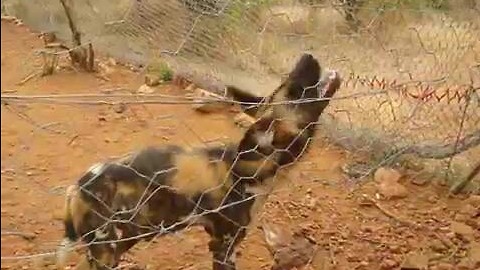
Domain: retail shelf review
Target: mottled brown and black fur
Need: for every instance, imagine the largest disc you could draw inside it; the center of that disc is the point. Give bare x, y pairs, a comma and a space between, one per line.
161, 190
154, 192
288, 117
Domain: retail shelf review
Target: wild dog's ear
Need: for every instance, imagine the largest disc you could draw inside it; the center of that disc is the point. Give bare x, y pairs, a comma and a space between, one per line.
306, 72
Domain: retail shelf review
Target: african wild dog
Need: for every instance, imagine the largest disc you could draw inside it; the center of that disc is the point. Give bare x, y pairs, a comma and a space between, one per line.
161, 190
286, 123
289, 116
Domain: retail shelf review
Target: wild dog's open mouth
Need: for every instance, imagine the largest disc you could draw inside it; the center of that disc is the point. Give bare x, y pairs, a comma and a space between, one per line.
329, 83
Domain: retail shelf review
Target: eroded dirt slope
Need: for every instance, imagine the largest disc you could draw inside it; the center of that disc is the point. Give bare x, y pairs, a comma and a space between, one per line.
45, 147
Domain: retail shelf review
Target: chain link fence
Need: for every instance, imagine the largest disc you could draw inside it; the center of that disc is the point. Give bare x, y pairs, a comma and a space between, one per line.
411, 69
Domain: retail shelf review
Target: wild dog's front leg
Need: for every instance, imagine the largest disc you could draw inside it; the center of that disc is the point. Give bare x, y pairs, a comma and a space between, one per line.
98, 257
101, 250
225, 237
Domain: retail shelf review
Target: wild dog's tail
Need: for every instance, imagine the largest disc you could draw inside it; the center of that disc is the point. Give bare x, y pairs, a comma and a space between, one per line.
70, 235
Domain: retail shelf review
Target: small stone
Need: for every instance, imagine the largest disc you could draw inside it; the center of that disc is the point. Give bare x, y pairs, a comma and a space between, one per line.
366, 228
363, 264
469, 210
450, 235
415, 261
419, 181
392, 190
465, 264
387, 264
474, 253
444, 266
112, 62
352, 257
463, 230
395, 249
432, 199
119, 108
145, 89
388, 186
460, 217
437, 246
473, 200
190, 88
152, 79
386, 174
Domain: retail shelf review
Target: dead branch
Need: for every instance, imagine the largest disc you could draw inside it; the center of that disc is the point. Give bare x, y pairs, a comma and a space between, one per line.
79, 55
28, 78
387, 213
26, 236
76, 36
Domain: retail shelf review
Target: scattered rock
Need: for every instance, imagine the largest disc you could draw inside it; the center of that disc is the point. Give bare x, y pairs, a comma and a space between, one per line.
152, 79
444, 266
363, 264
432, 199
415, 261
190, 88
392, 190
119, 108
276, 237
474, 253
102, 118
367, 228
463, 230
387, 264
288, 250
438, 246
352, 257
145, 89
387, 175
9, 18
388, 186
473, 200
419, 181
396, 249
105, 69
111, 61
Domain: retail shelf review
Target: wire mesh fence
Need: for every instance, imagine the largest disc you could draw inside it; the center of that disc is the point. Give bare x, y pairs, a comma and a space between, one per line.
411, 72
422, 58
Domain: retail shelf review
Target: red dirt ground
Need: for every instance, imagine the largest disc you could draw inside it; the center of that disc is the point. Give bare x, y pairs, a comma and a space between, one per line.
46, 147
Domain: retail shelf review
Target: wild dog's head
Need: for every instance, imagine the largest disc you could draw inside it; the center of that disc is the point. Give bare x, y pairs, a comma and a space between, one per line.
289, 120
302, 96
